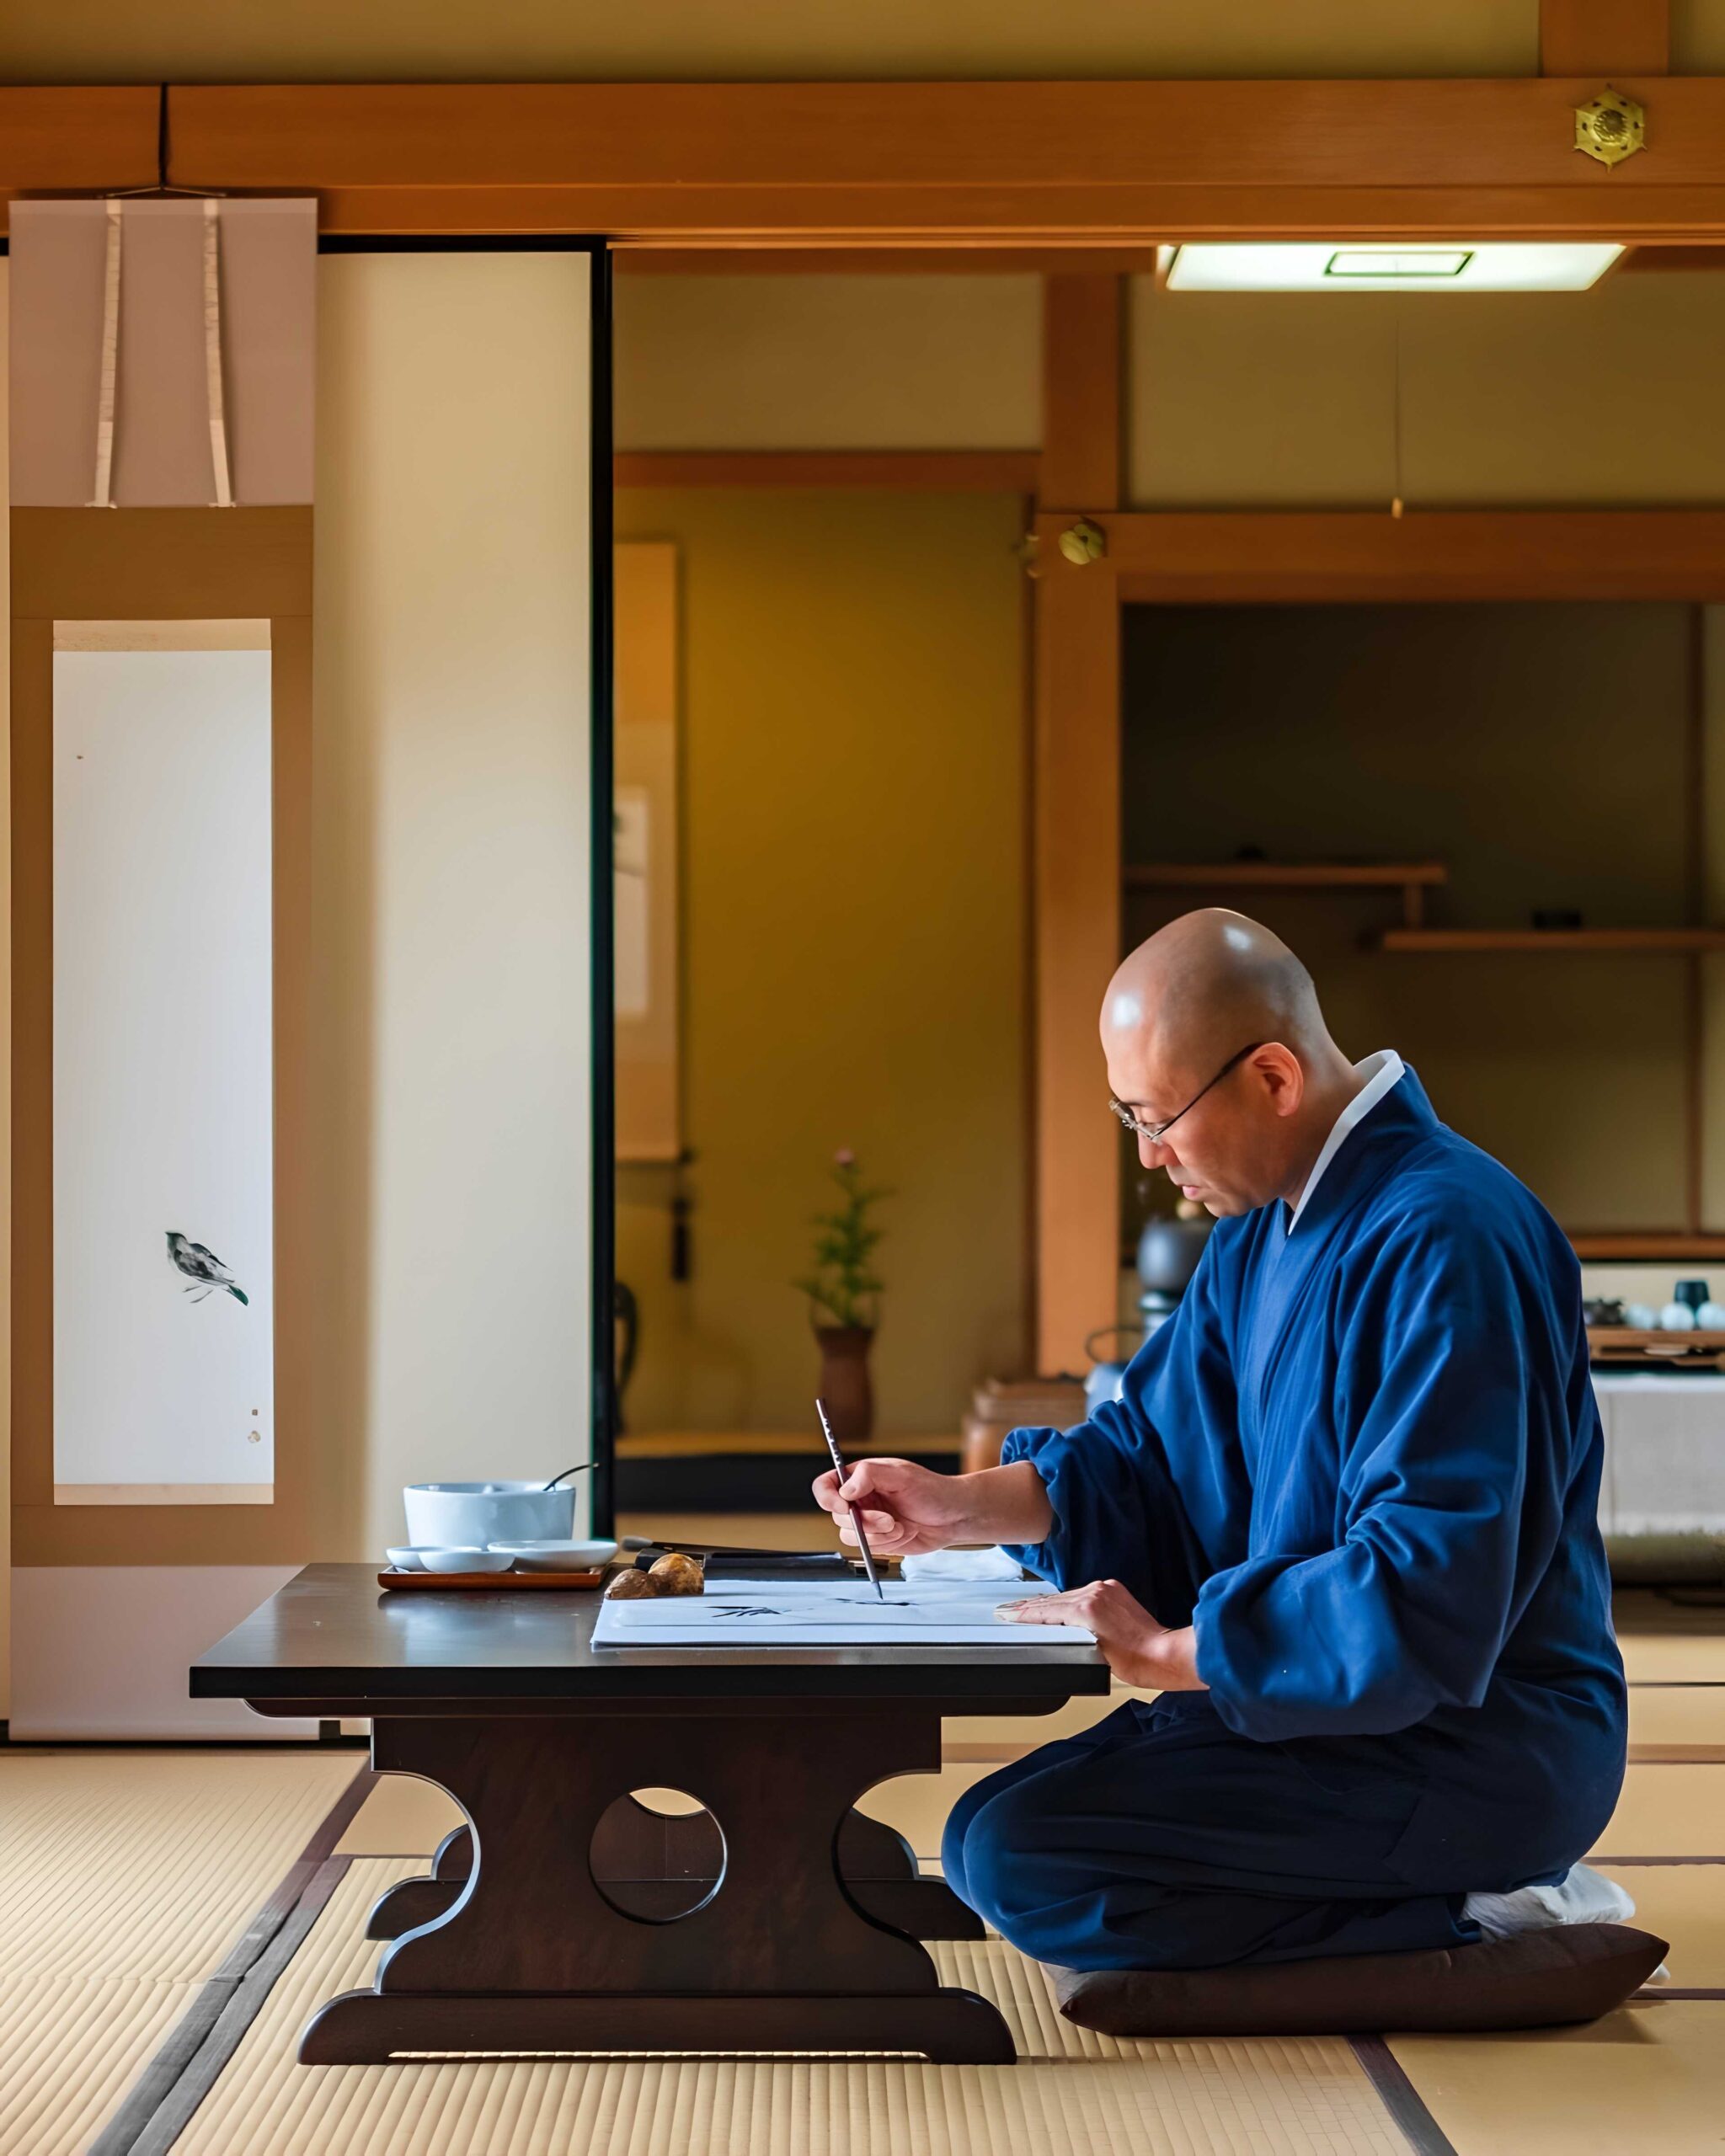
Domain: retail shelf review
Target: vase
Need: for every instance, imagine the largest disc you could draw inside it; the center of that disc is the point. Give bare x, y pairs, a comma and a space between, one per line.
844, 1380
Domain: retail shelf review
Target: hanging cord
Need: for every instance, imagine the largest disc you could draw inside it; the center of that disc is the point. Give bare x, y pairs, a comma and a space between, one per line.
212, 352
1397, 503
163, 184
103, 495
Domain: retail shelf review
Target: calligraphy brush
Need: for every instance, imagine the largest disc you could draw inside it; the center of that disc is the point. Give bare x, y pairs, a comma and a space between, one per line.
838, 1461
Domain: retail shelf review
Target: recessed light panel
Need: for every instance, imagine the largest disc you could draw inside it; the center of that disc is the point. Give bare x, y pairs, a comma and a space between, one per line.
1448, 266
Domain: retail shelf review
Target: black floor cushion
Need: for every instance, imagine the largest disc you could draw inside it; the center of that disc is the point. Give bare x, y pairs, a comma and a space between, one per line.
1565, 1973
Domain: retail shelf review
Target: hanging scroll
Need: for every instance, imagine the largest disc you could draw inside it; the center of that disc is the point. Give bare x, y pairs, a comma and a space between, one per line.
162, 352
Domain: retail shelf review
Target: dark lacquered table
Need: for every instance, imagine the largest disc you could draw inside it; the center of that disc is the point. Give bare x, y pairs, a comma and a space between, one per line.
567, 1916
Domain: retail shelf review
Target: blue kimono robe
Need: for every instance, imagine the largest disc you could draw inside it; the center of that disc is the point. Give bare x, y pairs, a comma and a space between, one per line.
1364, 1460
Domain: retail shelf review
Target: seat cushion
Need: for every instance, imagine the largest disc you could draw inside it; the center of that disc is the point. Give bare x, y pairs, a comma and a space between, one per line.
1565, 1973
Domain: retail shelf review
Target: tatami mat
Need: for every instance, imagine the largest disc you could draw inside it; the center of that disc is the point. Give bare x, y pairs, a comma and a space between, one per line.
1678, 1716
1669, 1809
1651, 2076
1685, 1903
1005, 1737
125, 1879
917, 1805
1673, 1657
71, 2046
402, 1816
148, 1863
1282, 2099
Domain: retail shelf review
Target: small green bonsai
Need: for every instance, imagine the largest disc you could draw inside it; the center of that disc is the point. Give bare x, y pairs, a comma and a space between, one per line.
843, 1282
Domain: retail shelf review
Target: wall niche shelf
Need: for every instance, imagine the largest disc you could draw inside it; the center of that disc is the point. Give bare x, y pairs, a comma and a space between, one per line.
1413, 878
1691, 940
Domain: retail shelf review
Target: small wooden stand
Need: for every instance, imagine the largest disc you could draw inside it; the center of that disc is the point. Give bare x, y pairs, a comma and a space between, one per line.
791, 1950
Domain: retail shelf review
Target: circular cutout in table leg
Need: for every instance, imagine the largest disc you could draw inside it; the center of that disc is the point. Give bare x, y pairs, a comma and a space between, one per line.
657, 1854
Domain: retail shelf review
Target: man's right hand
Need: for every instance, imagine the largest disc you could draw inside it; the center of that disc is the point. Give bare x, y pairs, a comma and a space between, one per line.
906, 1509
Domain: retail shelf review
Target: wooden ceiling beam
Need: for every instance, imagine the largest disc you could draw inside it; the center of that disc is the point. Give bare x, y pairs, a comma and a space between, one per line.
1605, 38
1041, 164
1248, 557
77, 140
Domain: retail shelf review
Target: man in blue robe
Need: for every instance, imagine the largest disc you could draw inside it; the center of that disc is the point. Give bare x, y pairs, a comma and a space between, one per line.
1341, 1521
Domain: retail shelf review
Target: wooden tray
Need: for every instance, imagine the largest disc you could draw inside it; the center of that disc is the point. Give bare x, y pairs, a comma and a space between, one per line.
488, 1582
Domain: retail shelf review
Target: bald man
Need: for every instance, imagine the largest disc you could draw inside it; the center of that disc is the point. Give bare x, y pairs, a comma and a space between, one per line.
1342, 1522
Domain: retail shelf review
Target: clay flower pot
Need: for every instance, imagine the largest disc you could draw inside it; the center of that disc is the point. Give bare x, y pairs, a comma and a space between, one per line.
844, 1380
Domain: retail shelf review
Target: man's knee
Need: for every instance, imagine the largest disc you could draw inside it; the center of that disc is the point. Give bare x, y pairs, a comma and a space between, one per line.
998, 1851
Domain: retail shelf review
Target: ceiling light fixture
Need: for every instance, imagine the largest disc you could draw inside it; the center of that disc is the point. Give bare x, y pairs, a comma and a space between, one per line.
1448, 266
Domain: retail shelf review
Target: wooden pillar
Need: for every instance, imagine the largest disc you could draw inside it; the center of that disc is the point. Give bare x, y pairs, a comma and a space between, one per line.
1076, 821
1611, 39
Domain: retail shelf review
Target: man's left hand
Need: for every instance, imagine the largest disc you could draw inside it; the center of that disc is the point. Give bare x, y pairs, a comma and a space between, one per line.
1138, 1650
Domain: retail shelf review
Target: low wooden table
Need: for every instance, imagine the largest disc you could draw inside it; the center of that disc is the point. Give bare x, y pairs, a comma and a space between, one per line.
566, 1916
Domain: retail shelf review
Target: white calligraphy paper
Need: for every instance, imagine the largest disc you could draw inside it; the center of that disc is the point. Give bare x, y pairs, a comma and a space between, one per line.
835, 1613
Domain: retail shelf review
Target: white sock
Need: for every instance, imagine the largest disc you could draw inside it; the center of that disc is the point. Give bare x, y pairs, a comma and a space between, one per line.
1582, 1895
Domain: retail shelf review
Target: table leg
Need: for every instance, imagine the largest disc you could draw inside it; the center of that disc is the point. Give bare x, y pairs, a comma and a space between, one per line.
876, 1863
780, 1955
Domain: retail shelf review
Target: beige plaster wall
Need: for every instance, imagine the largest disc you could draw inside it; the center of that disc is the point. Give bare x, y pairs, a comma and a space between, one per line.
828, 362
1288, 399
451, 920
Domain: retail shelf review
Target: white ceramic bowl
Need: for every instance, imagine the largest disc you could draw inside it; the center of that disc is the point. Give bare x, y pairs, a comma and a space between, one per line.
469, 1515
464, 1560
556, 1556
406, 1558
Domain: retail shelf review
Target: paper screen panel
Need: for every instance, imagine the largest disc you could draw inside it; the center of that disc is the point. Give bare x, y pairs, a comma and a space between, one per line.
163, 1083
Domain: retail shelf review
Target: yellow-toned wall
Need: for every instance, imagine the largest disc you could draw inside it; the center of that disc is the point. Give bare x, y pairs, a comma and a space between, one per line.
853, 944
686, 41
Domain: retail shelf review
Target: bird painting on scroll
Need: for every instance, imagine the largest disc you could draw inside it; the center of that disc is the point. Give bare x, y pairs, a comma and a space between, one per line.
163, 1063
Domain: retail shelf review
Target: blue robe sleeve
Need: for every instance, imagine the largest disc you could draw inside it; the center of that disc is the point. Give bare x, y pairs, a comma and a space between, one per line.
1119, 1484
1452, 1365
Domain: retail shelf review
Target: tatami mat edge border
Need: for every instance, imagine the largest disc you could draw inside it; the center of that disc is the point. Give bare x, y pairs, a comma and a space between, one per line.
244, 1980
1400, 2097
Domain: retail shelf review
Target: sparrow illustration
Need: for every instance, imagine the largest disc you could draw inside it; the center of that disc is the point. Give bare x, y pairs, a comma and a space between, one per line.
202, 1268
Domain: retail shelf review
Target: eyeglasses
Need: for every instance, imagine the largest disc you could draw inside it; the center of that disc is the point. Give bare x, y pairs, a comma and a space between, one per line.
1156, 1132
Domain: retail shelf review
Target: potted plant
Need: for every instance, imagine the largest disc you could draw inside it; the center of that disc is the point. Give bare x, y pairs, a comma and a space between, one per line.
842, 1292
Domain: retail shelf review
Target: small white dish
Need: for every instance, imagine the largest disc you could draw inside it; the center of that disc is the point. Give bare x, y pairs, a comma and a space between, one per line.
456, 1560
549, 1556
407, 1558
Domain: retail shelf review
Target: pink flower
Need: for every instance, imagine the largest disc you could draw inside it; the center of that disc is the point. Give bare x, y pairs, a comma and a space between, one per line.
844, 1158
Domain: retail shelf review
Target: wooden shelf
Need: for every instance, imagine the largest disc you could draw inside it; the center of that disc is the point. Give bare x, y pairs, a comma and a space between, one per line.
1283, 875
1552, 939
1412, 878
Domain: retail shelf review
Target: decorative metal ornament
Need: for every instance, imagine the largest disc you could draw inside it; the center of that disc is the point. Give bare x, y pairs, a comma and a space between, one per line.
1610, 127
1083, 542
